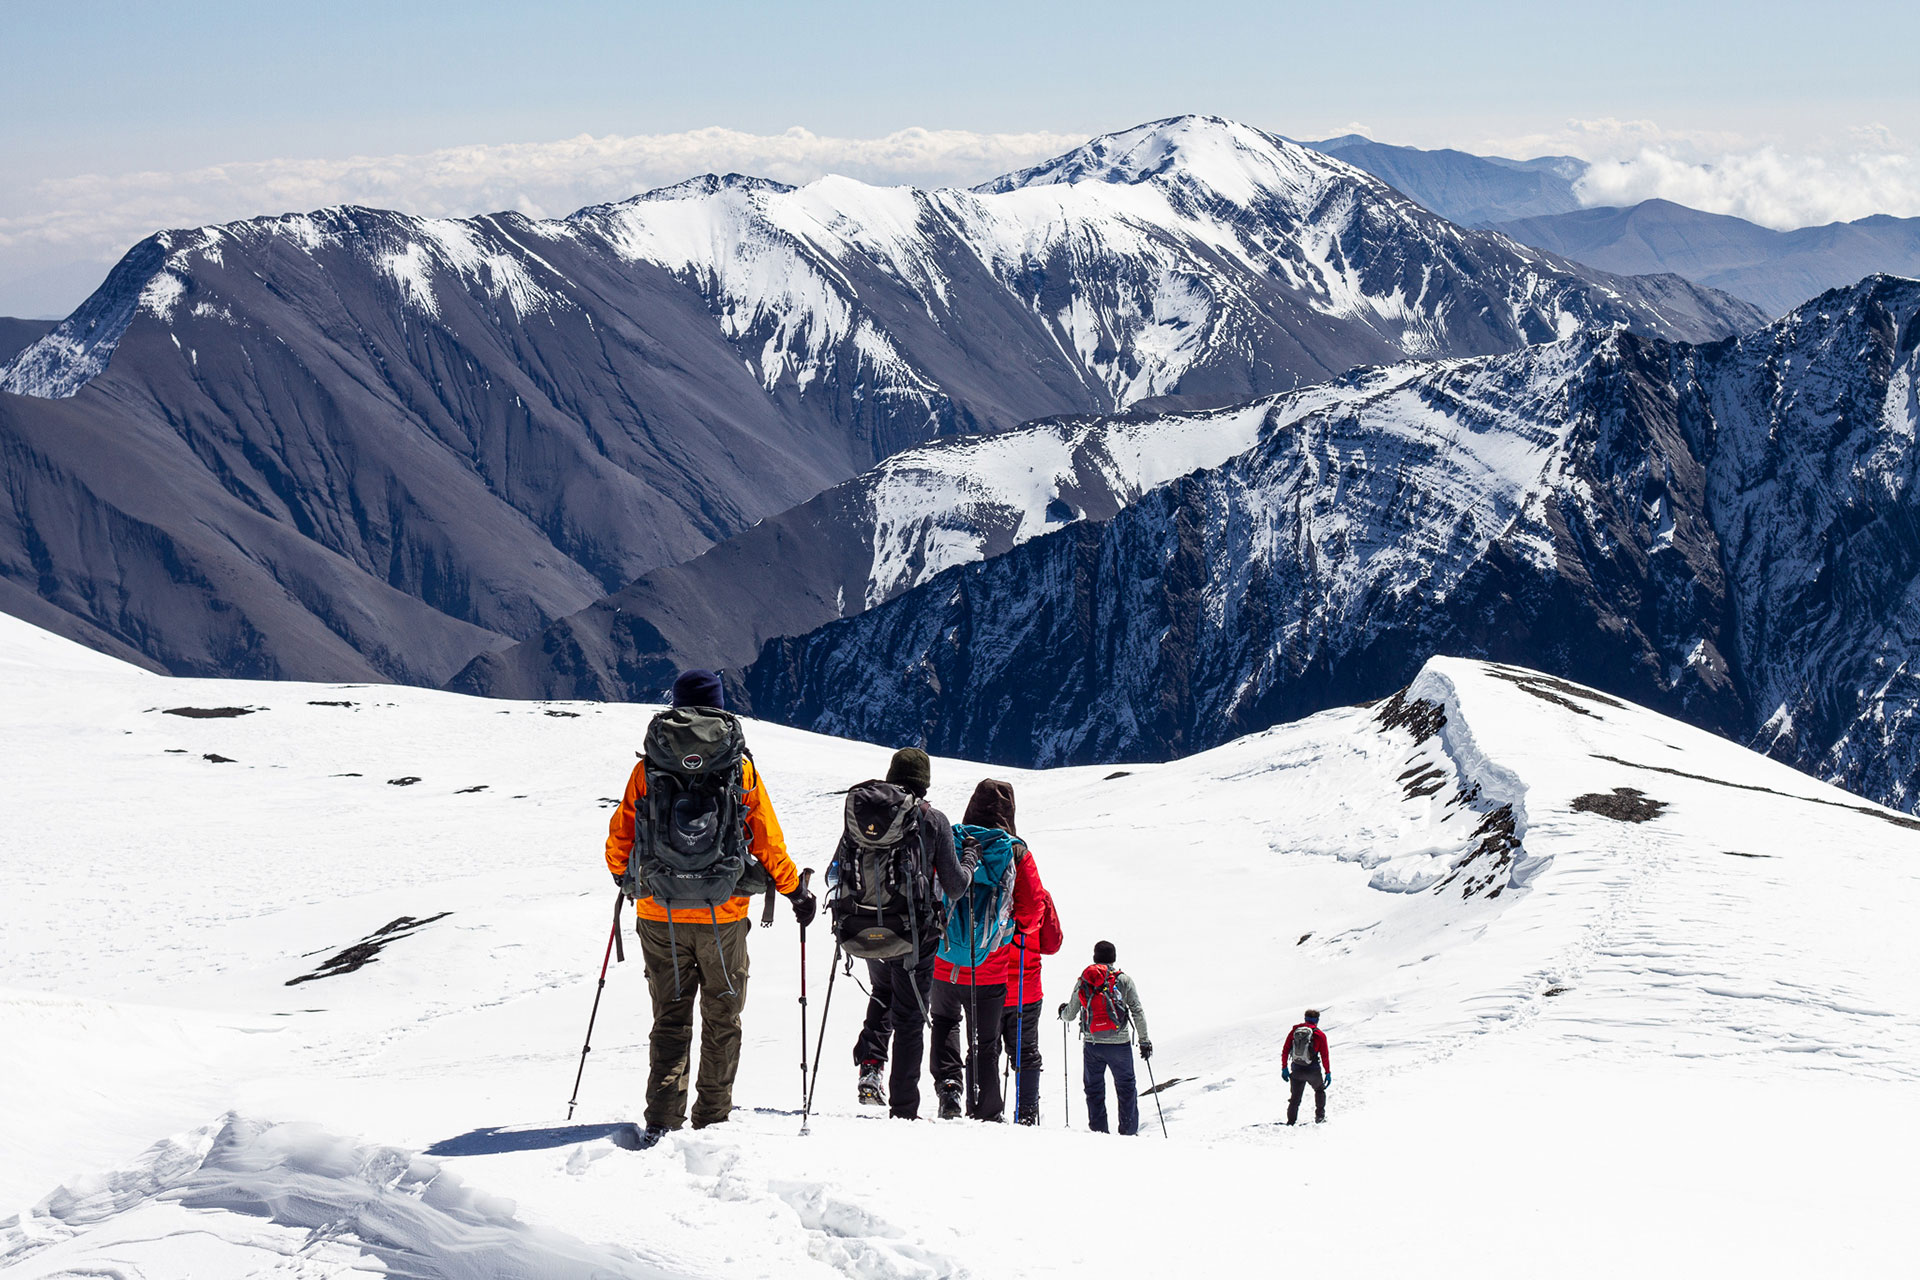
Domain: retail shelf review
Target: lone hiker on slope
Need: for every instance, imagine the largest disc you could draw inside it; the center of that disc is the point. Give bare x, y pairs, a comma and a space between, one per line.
1107, 1004
974, 961
693, 838
1308, 1062
896, 866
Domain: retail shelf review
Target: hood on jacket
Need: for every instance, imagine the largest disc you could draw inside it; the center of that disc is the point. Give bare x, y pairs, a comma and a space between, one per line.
992, 806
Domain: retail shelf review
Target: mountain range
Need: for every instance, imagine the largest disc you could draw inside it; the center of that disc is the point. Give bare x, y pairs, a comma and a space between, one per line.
1775, 270
354, 444
1474, 191
1537, 202
1725, 531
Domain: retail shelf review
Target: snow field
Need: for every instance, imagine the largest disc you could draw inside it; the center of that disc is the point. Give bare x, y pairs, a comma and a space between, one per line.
1587, 1066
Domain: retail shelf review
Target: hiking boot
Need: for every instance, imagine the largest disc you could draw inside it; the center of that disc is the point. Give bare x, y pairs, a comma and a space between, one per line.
949, 1091
651, 1135
871, 1094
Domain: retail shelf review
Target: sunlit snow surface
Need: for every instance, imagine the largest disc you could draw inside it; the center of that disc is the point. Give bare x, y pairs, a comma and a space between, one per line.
1690, 1042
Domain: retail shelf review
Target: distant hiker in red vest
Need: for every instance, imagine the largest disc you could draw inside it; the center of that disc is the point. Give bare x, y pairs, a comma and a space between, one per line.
974, 962
693, 838
1020, 1020
1308, 1062
1108, 1006
896, 864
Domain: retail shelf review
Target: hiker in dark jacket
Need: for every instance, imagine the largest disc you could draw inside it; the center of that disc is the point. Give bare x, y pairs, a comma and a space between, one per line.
698, 953
900, 992
976, 993
1308, 1062
1020, 1019
1107, 1040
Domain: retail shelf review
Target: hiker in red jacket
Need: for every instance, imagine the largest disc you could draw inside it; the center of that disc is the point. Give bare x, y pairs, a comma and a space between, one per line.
1020, 1020
1308, 1062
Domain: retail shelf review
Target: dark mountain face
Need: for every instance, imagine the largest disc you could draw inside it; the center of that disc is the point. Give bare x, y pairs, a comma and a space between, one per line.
1474, 191
1725, 532
1776, 270
866, 541
354, 444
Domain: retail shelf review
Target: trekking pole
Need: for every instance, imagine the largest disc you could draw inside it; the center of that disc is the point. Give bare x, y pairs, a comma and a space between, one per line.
1066, 1090
1155, 1091
804, 877
973, 1015
826, 1007
613, 941
1020, 1032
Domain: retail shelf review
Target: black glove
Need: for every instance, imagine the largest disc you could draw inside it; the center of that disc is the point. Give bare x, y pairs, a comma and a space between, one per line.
805, 906
1146, 1049
620, 883
1063, 1011
969, 856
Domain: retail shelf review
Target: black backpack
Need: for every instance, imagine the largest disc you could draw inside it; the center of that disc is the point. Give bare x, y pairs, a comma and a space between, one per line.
690, 843
884, 903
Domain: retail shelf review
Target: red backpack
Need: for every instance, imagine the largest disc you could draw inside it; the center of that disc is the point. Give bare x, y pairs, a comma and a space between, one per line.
1098, 992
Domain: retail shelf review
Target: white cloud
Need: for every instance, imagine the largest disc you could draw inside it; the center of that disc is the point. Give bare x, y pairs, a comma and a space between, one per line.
97, 216
1807, 182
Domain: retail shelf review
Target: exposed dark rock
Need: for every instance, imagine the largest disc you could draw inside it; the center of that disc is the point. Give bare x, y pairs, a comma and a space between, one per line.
1624, 804
365, 951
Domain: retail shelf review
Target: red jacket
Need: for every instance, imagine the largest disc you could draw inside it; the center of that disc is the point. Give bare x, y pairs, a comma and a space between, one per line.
1028, 894
1319, 1043
1044, 941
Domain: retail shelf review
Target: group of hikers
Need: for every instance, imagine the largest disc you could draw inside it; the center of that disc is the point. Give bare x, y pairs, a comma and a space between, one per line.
951, 921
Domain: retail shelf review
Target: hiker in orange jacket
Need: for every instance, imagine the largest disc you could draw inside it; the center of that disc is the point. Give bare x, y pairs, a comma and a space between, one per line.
699, 950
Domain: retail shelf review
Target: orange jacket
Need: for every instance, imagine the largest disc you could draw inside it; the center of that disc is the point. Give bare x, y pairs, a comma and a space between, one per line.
763, 837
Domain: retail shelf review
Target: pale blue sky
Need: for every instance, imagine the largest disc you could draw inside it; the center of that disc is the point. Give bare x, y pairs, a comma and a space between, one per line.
113, 89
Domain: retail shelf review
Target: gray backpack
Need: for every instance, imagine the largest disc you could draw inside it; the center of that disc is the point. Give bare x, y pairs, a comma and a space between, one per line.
1300, 1048
690, 842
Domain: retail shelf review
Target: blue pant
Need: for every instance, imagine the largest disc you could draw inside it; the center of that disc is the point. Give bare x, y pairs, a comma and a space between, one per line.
1096, 1061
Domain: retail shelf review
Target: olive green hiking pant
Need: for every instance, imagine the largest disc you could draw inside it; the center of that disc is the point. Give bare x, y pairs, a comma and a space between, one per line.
710, 961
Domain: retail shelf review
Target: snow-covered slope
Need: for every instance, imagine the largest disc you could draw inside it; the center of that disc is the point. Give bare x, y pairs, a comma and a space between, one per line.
1581, 965
366, 445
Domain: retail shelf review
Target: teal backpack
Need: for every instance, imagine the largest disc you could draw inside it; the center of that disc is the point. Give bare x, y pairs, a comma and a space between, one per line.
981, 921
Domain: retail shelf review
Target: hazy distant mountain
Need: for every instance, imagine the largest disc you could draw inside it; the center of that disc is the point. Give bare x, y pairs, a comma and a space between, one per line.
356, 444
1775, 270
1728, 532
1471, 190
17, 335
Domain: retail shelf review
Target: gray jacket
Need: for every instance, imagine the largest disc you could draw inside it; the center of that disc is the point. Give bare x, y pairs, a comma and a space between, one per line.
1136, 1028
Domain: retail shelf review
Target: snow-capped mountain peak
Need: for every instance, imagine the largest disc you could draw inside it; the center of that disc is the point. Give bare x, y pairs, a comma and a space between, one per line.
1236, 162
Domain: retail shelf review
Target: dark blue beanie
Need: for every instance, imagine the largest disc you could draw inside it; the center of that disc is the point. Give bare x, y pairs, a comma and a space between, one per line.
698, 687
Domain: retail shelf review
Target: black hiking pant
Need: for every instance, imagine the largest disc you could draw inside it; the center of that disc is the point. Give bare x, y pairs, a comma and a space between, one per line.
905, 996
1020, 1037
980, 1008
877, 1028
709, 960
1302, 1077
1096, 1061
